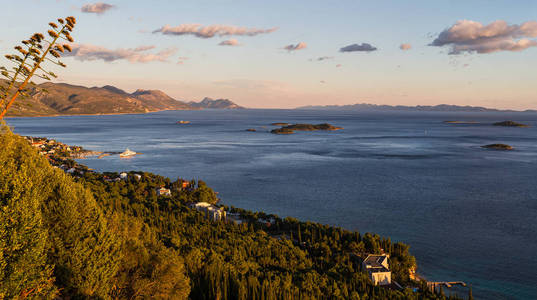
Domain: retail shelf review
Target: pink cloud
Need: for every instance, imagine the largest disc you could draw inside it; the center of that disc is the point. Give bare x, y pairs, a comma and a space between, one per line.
405, 47
230, 42
181, 60
97, 8
88, 52
298, 46
471, 36
210, 31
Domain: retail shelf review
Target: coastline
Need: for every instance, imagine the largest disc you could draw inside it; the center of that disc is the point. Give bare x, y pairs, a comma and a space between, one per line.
130, 138
100, 114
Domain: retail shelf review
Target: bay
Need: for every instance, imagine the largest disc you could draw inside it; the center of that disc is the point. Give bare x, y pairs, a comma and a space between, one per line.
468, 213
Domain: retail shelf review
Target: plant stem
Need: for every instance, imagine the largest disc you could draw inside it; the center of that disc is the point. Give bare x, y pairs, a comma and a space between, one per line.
36, 67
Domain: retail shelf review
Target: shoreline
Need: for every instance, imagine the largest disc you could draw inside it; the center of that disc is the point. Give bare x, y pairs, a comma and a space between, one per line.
99, 114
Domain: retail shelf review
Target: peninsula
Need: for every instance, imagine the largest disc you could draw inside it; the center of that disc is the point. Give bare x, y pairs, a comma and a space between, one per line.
55, 99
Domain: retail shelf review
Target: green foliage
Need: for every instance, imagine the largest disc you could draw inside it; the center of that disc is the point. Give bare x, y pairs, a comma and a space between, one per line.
56, 223
85, 252
24, 270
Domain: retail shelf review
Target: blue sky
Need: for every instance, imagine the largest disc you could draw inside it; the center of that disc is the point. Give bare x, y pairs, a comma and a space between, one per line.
259, 72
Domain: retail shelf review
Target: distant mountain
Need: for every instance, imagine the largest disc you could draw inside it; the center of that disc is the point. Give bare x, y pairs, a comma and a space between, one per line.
159, 100
439, 108
215, 104
48, 99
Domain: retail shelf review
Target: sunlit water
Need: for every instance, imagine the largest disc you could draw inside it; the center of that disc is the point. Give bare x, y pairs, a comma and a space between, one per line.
468, 213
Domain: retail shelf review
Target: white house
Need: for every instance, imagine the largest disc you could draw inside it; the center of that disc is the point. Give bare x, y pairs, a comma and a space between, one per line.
211, 212
376, 266
164, 192
137, 176
123, 175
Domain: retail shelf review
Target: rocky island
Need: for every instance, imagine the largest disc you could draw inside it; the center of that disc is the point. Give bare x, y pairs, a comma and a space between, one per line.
289, 129
510, 124
498, 147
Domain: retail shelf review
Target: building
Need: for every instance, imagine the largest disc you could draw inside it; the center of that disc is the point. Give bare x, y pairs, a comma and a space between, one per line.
123, 175
211, 212
164, 192
376, 266
137, 176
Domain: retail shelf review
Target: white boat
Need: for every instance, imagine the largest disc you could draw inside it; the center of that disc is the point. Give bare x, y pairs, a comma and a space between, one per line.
127, 153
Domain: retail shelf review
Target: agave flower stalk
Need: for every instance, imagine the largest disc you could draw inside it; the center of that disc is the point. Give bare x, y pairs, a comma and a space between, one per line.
34, 52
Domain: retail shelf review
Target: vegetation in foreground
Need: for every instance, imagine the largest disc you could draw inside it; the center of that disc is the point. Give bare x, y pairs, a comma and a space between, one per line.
85, 236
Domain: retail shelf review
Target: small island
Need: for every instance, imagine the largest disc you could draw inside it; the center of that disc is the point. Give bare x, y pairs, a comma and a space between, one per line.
510, 124
280, 124
251, 130
498, 147
290, 129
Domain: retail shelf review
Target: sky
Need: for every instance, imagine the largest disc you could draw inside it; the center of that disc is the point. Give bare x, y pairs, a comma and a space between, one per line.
286, 54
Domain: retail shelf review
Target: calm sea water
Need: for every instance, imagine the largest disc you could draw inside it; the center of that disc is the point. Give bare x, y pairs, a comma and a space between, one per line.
468, 213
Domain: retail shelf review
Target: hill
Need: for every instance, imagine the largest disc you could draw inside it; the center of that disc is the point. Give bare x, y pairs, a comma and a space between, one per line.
438, 108
215, 104
49, 99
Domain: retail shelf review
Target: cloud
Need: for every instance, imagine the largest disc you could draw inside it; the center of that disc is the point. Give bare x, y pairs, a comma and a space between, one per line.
324, 58
97, 8
405, 47
210, 31
298, 46
470, 36
181, 60
87, 52
230, 42
364, 47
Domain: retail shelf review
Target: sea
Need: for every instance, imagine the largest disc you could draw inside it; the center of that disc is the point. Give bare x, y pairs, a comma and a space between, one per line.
468, 213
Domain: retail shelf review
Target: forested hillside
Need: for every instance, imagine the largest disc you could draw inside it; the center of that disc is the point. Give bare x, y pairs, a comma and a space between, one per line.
91, 237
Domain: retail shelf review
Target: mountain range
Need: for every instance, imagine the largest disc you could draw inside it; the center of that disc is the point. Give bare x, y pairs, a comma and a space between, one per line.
49, 99
438, 108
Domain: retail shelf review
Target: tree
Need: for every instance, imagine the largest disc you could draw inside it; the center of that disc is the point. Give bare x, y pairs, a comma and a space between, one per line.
24, 269
31, 54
